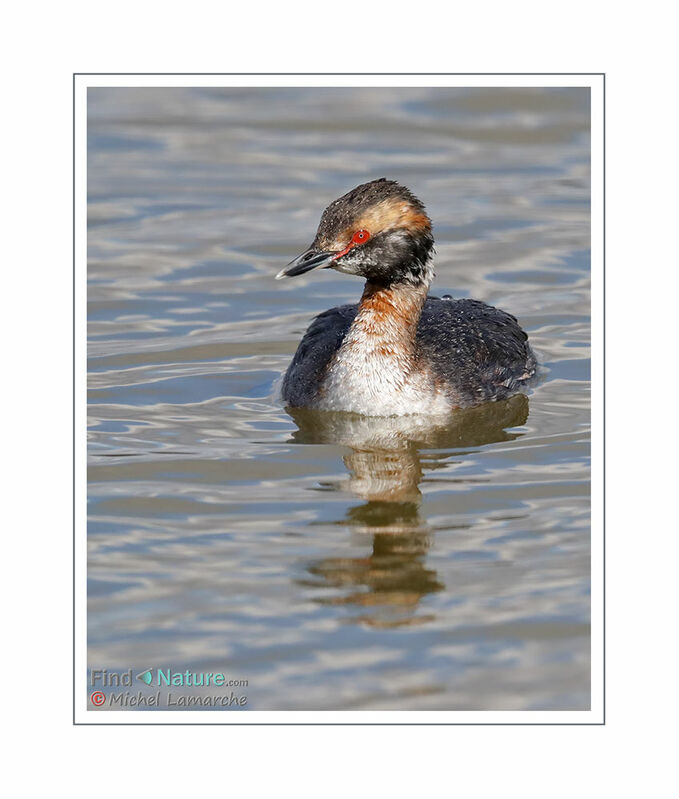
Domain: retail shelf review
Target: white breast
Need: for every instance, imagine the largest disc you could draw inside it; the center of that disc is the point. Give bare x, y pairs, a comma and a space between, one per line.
368, 377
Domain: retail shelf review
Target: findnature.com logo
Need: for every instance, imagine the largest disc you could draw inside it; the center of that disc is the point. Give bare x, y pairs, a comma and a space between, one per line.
164, 678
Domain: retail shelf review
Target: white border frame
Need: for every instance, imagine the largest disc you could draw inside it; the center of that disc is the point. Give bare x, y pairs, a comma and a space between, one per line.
595, 82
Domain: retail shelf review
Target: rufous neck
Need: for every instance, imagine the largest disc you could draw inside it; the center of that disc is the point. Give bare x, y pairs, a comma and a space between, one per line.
391, 313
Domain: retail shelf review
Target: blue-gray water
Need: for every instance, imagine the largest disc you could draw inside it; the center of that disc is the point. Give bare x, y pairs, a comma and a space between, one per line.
332, 561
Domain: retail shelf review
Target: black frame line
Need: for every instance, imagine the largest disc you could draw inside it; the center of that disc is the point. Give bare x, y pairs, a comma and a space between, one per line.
601, 74
601, 723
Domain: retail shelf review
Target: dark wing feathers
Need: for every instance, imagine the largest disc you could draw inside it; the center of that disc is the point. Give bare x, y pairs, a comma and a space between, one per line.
321, 340
479, 351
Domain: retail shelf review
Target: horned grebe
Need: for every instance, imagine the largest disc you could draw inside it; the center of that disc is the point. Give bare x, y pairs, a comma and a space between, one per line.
398, 351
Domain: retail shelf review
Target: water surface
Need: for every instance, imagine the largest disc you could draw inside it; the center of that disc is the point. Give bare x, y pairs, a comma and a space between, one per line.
332, 561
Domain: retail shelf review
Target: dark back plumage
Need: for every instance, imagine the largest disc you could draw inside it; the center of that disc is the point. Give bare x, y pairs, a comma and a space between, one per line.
477, 352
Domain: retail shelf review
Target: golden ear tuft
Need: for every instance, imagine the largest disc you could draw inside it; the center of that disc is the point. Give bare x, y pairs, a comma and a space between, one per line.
393, 213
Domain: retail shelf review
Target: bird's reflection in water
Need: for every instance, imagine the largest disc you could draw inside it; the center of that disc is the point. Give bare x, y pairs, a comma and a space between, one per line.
385, 468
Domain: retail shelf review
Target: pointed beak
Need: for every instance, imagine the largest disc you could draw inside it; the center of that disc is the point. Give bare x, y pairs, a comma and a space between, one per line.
311, 259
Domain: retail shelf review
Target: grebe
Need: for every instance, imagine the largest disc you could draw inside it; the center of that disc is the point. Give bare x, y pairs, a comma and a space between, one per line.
398, 351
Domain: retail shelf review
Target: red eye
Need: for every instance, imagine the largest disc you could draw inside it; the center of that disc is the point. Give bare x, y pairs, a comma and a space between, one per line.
360, 237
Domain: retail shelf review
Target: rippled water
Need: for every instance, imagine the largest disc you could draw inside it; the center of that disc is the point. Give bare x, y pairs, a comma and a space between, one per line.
334, 562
